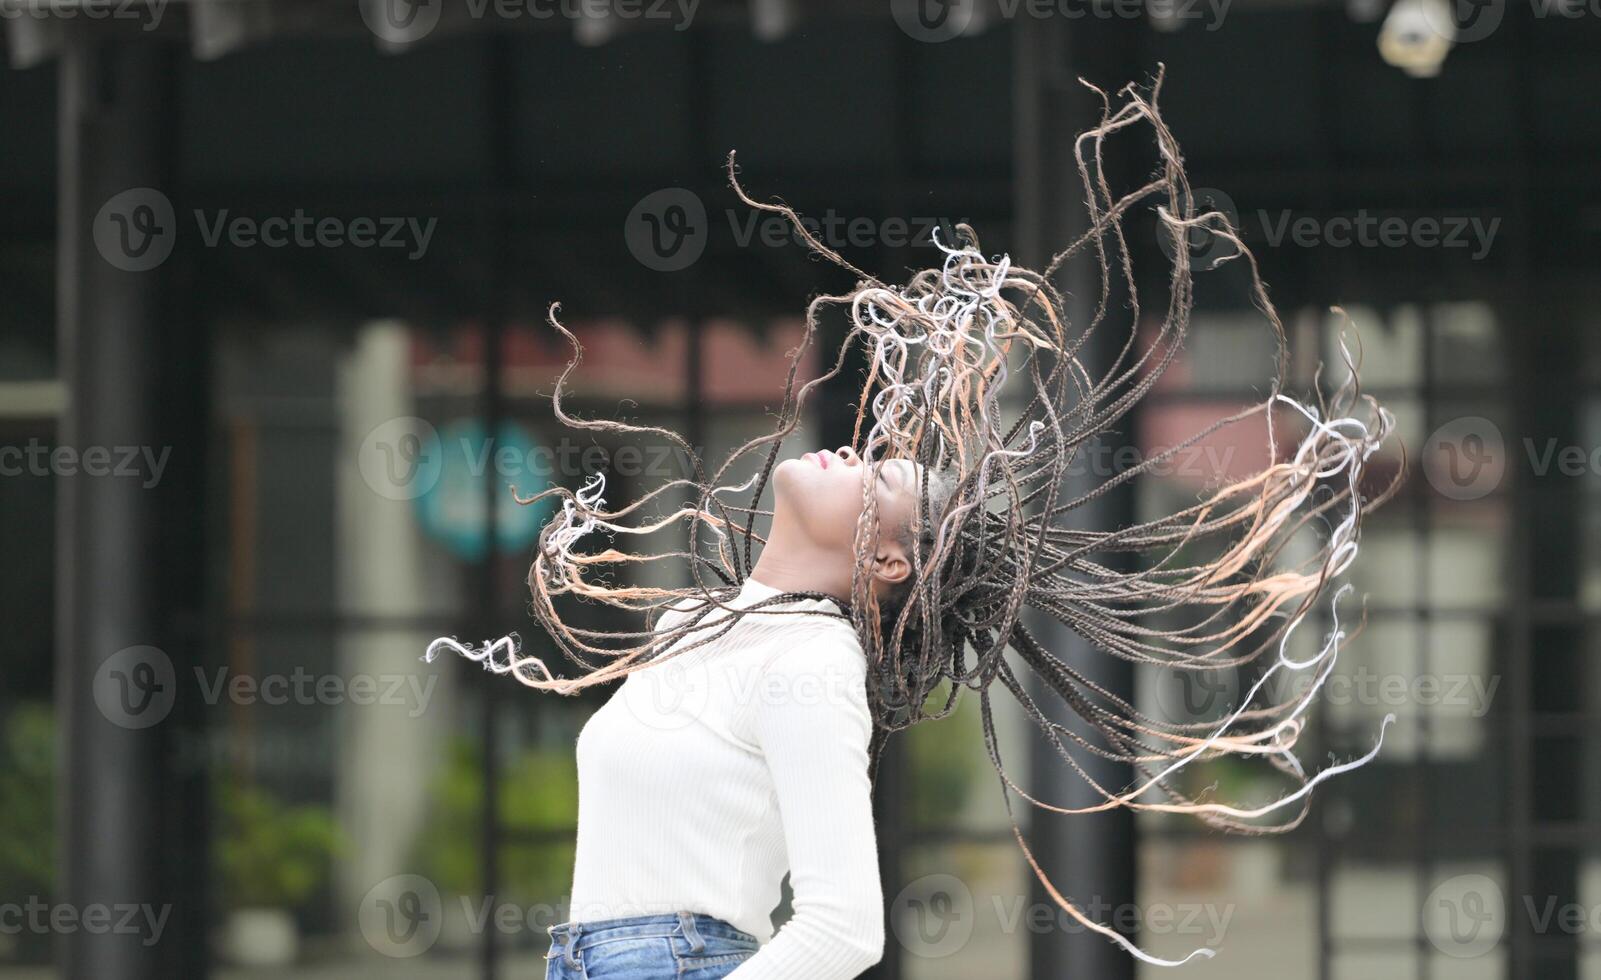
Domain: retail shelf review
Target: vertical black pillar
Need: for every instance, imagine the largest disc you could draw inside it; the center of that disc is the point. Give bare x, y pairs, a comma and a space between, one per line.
1548, 745
488, 592
112, 699
1089, 858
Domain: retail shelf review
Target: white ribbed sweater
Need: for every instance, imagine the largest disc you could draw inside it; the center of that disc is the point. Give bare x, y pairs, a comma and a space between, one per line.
702, 780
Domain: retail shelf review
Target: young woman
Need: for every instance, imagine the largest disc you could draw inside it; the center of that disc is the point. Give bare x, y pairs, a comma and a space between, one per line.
704, 779
893, 579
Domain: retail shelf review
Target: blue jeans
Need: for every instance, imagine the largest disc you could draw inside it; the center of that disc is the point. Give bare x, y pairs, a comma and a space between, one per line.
672, 946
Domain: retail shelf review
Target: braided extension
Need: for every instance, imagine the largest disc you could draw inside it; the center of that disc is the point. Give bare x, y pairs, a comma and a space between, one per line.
1220, 584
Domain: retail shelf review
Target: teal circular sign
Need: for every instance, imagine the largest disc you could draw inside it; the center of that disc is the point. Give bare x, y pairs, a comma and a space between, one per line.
452, 511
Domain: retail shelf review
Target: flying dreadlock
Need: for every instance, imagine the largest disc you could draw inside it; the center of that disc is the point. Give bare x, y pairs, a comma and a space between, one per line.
1220, 584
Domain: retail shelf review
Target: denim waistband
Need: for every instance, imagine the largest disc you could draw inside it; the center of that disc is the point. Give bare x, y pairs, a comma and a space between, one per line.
693, 926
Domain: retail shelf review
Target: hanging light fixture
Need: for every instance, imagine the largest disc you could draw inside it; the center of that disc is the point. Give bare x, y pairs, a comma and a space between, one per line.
1417, 35
772, 20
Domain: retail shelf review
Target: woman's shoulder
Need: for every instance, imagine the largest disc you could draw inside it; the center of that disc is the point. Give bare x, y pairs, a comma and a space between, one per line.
679, 609
819, 641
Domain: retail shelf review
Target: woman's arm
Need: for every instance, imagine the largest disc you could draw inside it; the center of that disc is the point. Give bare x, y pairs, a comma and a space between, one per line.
812, 721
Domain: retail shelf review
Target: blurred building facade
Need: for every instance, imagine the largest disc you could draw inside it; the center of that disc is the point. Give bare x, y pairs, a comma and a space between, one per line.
326, 797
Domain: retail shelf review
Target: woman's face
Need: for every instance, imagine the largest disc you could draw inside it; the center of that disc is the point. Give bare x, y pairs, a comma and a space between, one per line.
819, 497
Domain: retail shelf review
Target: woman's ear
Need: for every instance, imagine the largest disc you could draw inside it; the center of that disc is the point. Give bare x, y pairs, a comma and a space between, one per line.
891, 567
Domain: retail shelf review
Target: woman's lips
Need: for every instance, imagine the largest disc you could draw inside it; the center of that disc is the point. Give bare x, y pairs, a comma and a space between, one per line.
821, 459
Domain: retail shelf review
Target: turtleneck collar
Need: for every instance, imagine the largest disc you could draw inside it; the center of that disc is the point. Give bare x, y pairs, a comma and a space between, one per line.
754, 591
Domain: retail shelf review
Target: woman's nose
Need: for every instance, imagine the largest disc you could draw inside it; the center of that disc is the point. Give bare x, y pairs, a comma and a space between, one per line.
846, 453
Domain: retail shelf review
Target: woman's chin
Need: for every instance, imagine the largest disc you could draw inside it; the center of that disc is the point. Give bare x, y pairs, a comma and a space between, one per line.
787, 471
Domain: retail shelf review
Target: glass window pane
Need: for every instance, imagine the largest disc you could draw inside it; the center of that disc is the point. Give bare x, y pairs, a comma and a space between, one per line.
1370, 901
1389, 346
966, 910
1467, 343
1401, 964
1246, 898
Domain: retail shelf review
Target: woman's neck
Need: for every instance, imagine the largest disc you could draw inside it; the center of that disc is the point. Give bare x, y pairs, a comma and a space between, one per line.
803, 570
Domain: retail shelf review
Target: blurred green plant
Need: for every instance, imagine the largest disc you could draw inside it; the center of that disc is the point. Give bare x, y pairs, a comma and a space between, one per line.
944, 757
27, 798
538, 802
270, 855
1233, 781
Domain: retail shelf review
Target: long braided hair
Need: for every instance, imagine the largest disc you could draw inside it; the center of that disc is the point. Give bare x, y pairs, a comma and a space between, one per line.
1219, 584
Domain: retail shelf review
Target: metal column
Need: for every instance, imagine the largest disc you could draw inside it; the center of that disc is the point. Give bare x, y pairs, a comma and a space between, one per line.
116, 795
1090, 858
